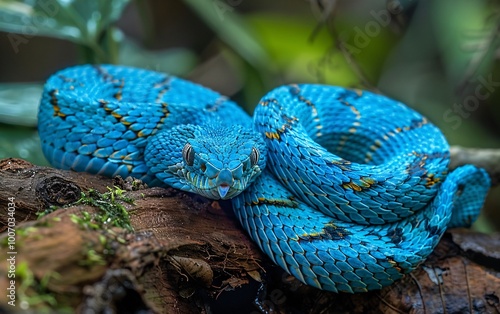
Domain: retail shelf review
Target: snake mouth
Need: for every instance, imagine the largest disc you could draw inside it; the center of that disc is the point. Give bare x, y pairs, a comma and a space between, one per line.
212, 189
223, 185
222, 191
225, 191
223, 188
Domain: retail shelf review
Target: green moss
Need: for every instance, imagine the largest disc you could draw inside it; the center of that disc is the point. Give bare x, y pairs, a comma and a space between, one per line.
47, 211
33, 293
85, 221
111, 212
92, 258
20, 234
31, 231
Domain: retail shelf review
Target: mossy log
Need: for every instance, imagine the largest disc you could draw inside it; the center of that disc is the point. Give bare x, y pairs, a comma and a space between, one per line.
167, 251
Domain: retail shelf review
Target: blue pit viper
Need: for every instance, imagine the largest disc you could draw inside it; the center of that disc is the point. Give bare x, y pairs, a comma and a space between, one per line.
356, 191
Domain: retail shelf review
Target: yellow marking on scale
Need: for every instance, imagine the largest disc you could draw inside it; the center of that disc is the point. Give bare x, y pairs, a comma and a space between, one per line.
351, 185
116, 115
356, 112
376, 145
358, 91
314, 111
58, 112
165, 109
367, 182
319, 128
118, 94
431, 180
55, 105
272, 135
368, 157
160, 94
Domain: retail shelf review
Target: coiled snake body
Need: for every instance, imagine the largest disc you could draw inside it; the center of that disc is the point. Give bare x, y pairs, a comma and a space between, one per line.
356, 191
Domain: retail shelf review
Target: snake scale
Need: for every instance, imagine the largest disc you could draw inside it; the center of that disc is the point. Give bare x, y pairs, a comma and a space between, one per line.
355, 193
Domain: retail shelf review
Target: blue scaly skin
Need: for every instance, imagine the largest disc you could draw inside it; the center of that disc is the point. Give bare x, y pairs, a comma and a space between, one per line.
356, 192
111, 121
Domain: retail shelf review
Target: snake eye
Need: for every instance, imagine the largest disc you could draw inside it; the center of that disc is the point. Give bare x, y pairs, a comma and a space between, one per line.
188, 154
254, 156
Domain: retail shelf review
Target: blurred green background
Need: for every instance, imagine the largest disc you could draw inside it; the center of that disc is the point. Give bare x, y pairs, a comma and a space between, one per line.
439, 57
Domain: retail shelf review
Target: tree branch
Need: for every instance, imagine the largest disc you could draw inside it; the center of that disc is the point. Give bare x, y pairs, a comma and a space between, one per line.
486, 158
189, 255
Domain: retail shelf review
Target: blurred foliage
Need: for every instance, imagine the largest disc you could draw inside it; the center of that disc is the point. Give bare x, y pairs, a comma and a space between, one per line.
233, 30
466, 47
86, 23
307, 58
432, 55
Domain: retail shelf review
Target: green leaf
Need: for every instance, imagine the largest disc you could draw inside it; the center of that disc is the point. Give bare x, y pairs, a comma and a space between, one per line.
19, 107
19, 103
80, 21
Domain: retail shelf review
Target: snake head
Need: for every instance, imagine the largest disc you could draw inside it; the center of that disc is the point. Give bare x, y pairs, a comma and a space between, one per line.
214, 161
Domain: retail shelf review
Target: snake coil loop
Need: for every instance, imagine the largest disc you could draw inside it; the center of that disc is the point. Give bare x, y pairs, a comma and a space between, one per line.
356, 192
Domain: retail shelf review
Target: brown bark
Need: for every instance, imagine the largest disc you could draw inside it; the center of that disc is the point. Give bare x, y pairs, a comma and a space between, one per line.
189, 255
488, 159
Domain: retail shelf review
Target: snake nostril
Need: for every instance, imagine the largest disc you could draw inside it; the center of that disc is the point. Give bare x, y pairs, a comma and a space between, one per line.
203, 167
